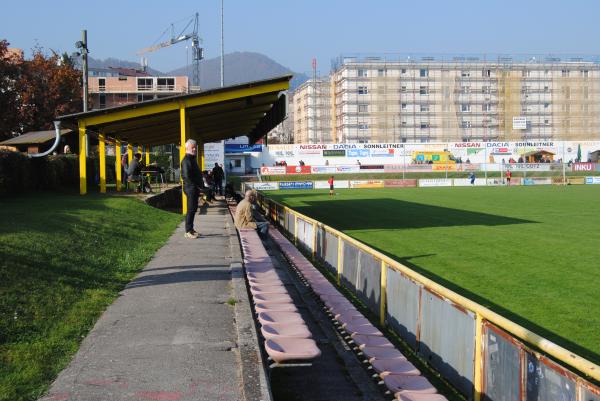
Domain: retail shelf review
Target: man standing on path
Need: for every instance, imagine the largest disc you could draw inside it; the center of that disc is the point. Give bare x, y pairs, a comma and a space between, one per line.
245, 216
218, 175
192, 183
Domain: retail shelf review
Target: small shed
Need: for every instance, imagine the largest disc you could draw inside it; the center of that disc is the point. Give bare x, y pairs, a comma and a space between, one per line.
538, 156
40, 141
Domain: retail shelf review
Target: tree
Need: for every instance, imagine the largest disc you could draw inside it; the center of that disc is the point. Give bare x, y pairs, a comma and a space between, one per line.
10, 68
47, 88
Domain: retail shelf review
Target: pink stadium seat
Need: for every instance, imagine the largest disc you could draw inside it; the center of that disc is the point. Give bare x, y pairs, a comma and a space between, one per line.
268, 289
279, 317
399, 366
278, 330
373, 353
363, 329
288, 349
277, 298
420, 397
403, 384
275, 307
371, 341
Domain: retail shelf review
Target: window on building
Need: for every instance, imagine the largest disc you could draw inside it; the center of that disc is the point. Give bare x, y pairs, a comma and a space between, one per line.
403, 89
486, 107
424, 125
362, 90
546, 89
486, 73
362, 72
102, 100
121, 78
381, 72
465, 124
423, 72
546, 72
403, 123
144, 84
547, 122
363, 108
485, 89
424, 107
465, 74
403, 71
564, 73
423, 90
363, 126
101, 84
403, 106
465, 107
546, 105
165, 84
237, 162
584, 73
524, 109
465, 89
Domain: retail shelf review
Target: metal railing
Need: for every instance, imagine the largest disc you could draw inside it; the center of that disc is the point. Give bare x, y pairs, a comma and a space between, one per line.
482, 354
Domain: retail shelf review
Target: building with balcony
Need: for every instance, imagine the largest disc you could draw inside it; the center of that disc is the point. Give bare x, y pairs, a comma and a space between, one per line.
312, 108
109, 87
446, 99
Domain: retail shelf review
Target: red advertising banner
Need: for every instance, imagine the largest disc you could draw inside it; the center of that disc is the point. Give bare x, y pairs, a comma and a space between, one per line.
584, 166
278, 170
297, 170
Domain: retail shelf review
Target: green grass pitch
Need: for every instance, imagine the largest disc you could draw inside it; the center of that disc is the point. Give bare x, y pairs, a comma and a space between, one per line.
531, 254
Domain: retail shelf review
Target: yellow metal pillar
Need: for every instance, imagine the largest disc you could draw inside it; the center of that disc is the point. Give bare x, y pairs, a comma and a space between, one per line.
478, 371
82, 160
183, 126
102, 156
201, 152
129, 153
118, 166
147, 155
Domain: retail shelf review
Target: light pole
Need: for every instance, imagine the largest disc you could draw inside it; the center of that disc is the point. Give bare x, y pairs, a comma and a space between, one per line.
83, 51
222, 47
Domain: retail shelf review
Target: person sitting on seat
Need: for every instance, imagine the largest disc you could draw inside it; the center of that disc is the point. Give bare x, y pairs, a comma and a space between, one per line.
246, 217
134, 171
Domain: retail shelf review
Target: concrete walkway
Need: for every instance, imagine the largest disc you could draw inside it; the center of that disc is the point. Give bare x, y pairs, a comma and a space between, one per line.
171, 334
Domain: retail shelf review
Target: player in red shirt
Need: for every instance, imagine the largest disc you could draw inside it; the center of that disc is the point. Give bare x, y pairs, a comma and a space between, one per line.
508, 175
330, 182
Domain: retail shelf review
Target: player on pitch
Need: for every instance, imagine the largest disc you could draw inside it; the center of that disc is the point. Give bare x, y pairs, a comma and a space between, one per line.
330, 182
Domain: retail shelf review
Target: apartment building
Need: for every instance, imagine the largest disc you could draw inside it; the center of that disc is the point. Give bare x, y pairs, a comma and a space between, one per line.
312, 107
109, 87
429, 99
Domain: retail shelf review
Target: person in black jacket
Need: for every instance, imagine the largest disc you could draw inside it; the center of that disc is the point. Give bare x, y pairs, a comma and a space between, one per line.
218, 175
192, 184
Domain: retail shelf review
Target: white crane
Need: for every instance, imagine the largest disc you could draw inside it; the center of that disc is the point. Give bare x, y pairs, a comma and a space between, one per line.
197, 51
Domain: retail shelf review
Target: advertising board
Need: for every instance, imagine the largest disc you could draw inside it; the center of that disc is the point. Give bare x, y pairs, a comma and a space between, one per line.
297, 170
334, 153
265, 186
592, 180
347, 169
214, 152
443, 167
435, 182
584, 166
527, 166
575, 180
296, 185
357, 153
400, 183
277, 170
337, 184
366, 184
242, 148
465, 182
323, 169
537, 181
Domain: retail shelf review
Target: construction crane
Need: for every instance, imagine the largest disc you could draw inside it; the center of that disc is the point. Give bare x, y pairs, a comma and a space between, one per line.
197, 51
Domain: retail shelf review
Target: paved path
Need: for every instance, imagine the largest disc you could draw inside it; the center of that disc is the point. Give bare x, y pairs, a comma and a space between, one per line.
171, 334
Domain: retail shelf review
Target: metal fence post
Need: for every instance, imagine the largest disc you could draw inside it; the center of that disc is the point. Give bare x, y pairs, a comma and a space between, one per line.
296, 229
478, 368
383, 298
340, 260
314, 241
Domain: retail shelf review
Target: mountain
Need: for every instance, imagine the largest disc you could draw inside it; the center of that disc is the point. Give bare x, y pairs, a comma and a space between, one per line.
115, 62
239, 67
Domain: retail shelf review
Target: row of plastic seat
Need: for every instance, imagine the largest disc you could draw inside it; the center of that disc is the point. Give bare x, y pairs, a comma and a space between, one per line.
400, 376
287, 338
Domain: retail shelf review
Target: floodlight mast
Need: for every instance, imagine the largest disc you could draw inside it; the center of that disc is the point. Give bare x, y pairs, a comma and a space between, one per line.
197, 51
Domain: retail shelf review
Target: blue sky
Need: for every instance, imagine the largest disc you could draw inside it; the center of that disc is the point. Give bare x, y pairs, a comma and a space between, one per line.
293, 32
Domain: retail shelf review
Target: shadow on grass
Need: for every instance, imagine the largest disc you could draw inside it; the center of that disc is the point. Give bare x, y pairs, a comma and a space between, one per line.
586, 353
398, 214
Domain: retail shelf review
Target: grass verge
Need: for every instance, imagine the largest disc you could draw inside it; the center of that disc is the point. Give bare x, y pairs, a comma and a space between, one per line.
63, 260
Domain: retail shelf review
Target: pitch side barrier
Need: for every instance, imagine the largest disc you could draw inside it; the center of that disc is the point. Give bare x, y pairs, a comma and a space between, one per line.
423, 183
484, 355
